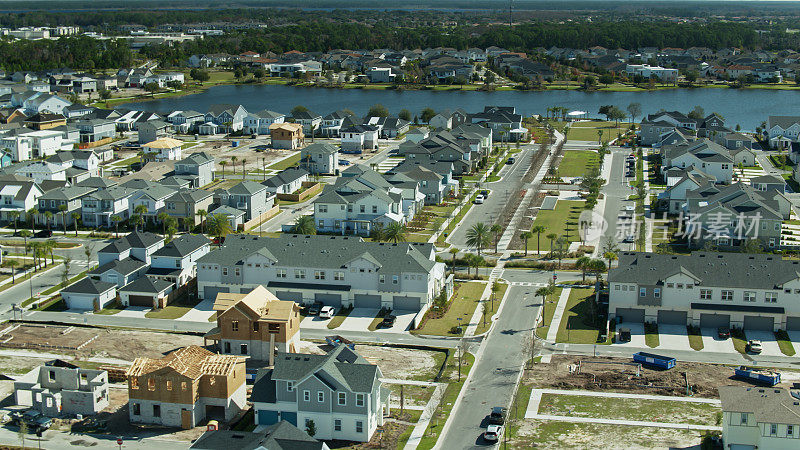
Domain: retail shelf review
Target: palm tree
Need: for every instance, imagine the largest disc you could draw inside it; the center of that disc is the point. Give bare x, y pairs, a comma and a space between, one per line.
478, 236
378, 233
15, 216
162, 217
33, 246
396, 232
244, 173
25, 235
454, 251
75, 217
582, 263
140, 211
610, 256
49, 246
223, 163
49, 218
12, 263
233, 161
525, 235
63, 210
496, 229
202, 213
116, 219
544, 292
552, 237
219, 226
304, 225
561, 249
538, 229
32, 215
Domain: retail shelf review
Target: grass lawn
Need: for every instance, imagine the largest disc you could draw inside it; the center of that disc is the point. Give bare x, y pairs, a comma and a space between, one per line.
491, 308
518, 408
651, 335
55, 304
465, 299
695, 338
578, 317
456, 219
286, 163
451, 393
549, 310
629, 409
110, 310
587, 130
563, 221
339, 317
739, 340
785, 343
576, 163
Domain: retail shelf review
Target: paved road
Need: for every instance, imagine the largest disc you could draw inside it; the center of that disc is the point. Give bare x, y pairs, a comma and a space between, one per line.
616, 192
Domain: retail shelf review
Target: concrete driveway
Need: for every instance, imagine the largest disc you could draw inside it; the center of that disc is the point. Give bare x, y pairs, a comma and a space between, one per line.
769, 344
712, 342
673, 337
200, 313
359, 319
637, 334
795, 337
314, 323
134, 311
401, 323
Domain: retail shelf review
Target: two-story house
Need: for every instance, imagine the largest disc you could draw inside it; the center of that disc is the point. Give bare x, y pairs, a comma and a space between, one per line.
504, 122
58, 387
702, 154
335, 270
333, 122
164, 149
197, 167
760, 417
185, 204
154, 198
228, 117
62, 203
358, 138
286, 181
259, 122
176, 261
434, 179
93, 130
341, 392
17, 196
320, 158
185, 387
153, 130
98, 208
256, 324
288, 136
311, 122
783, 131
139, 245
248, 196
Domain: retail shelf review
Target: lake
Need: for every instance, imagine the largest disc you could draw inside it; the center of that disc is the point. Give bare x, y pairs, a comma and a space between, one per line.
746, 107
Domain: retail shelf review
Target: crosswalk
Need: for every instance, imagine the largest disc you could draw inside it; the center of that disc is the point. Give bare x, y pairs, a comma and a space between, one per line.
525, 283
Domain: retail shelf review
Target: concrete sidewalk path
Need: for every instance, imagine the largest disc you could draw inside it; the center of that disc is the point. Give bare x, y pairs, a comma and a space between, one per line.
555, 323
635, 423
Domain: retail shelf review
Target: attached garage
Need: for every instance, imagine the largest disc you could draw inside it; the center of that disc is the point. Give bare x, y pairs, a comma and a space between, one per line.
287, 295
267, 417
759, 323
141, 300
672, 317
715, 320
367, 301
329, 299
630, 315
210, 292
404, 303
793, 324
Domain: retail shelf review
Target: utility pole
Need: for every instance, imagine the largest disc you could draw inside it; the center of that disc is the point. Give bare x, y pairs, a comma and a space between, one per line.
510, 13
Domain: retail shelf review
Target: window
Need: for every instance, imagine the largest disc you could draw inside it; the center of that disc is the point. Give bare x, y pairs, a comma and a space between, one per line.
300, 273
342, 400
169, 385
183, 385
374, 209
320, 396
290, 386
234, 325
790, 430
363, 208
212, 381
134, 383
255, 326
770, 297
137, 409
616, 287
642, 292
156, 410
382, 278
321, 224
227, 347
237, 271
319, 275
338, 276
225, 271
705, 294
151, 384
395, 279
306, 396
727, 295
744, 418
51, 375
337, 424
749, 296
773, 429
359, 399
669, 285
323, 208
281, 273
359, 426
680, 286
243, 349
657, 292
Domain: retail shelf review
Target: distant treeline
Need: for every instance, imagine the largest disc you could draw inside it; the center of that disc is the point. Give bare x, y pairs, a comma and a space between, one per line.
81, 53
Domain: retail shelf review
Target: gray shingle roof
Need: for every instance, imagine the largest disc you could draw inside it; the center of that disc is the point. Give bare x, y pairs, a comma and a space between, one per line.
183, 245
136, 239
89, 286
246, 187
285, 177
279, 436
769, 405
341, 366
146, 284
124, 267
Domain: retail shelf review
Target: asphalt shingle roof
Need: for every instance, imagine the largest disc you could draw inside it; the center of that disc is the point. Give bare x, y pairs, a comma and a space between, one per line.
89, 286
146, 284
183, 245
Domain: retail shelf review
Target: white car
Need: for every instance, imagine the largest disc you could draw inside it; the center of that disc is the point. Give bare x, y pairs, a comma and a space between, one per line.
493, 433
327, 312
478, 199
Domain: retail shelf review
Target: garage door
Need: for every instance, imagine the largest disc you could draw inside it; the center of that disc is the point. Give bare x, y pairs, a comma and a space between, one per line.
759, 323
630, 315
672, 317
140, 300
292, 296
329, 299
715, 320
404, 303
267, 417
367, 301
793, 324
210, 292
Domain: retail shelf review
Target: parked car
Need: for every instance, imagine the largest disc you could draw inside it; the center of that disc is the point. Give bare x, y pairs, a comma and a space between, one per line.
493, 433
314, 309
576, 180
485, 193
218, 241
498, 415
35, 420
629, 239
43, 234
624, 335
724, 332
753, 346
344, 162
511, 160
478, 199
388, 321
327, 312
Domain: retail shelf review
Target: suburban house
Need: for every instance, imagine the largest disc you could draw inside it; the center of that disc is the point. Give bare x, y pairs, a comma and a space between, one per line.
259, 122
185, 121
504, 122
320, 158
176, 261
707, 156
286, 181
280, 436
434, 181
185, 203
153, 130
197, 167
287, 136
148, 292
341, 392
58, 387
88, 294
164, 149
653, 133
185, 387
463, 152
39, 171
55, 200
311, 122
679, 182
98, 207
783, 131
139, 245
44, 121
358, 138
255, 324
390, 127
333, 122
417, 134
229, 118
706, 289
93, 130
248, 196
152, 196
335, 270
119, 272
17, 196
760, 417
234, 216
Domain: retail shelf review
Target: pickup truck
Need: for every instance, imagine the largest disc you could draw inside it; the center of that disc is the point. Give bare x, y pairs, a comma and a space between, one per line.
34, 420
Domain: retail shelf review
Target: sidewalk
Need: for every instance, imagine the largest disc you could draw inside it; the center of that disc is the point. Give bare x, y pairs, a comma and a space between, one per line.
555, 323
422, 424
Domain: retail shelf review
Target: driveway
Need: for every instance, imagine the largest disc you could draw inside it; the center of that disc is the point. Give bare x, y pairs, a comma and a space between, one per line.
795, 337
314, 323
200, 313
134, 311
359, 319
712, 342
673, 337
401, 323
637, 334
769, 344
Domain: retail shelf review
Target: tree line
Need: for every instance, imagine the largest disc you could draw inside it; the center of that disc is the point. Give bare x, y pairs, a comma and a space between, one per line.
80, 52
